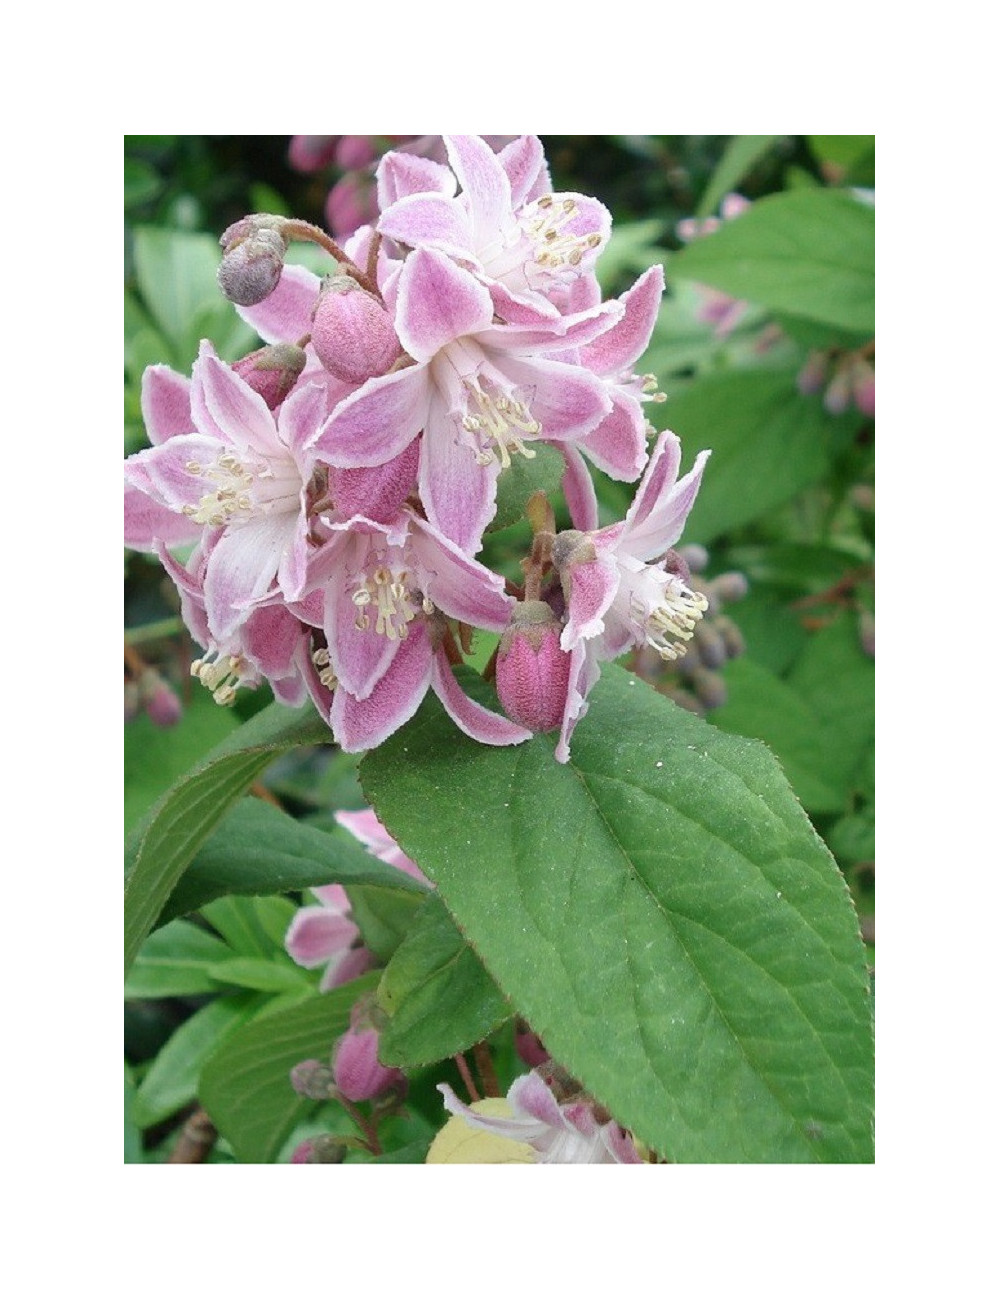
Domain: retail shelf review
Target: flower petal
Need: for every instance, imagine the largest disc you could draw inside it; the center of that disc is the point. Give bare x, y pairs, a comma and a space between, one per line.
430, 219
224, 404
618, 444
484, 184
363, 724
458, 494
166, 403
616, 351
656, 518
437, 303
286, 314
456, 583
316, 934
481, 724
376, 423
578, 489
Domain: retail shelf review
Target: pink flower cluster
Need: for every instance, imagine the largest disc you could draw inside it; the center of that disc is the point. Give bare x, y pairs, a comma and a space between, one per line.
332, 490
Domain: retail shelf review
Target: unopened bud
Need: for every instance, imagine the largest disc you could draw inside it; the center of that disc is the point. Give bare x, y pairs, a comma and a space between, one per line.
730, 586
352, 332
272, 371
732, 636
323, 1150
532, 675
357, 1071
350, 204
694, 556
837, 397
253, 258
863, 386
158, 699
529, 1046
711, 647
355, 151
812, 376
312, 1079
709, 688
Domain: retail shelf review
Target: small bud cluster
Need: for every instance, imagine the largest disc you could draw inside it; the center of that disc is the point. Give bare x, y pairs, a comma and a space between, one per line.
332, 490
844, 379
147, 690
696, 681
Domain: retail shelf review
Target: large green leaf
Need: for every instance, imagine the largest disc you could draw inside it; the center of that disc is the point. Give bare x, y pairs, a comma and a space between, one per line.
167, 838
176, 270
808, 252
437, 994
768, 442
174, 962
258, 849
244, 1086
661, 912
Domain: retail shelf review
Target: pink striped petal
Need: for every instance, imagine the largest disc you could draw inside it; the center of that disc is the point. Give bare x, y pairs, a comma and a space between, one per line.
458, 494
166, 403
456, 583
316, 934
377, 422
402, 174
241, 569
481, 724
616, 351
432, 219
438, 302
524, 162
285, 316
222, 401
566, 401
656, 518
484, 184
592, 588
618, 444
363, 724
578, 489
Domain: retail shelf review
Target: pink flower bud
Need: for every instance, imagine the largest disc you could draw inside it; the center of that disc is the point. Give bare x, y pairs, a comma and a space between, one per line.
350, 204
309, 153
529, 1046
253, 258
272, 371
812, 376
863, 386
323, 1150
532, 669
357, 1071
159, 700
352, 332
355, 151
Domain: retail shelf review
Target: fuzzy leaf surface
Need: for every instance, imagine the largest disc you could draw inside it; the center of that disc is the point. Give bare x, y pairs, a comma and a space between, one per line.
662, 913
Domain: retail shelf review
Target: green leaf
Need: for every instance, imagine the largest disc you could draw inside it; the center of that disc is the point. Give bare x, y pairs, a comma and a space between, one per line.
142, 182
176, 271
134, 1154
383, 914
157, 756
819, 337
768, 442
661, 912
172, 1080
258, 849
808, 252
244, 1086
236, 919
740, 156
174, 962
437, 994
843, 150
541, 473
165, 841
820, 721
262, 975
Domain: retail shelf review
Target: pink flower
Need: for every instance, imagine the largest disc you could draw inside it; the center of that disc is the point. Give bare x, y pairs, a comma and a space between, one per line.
520, 240
717, 309
387, 591
479, 392
324, 935
618, 592
367, 828
568, 1134
241, 478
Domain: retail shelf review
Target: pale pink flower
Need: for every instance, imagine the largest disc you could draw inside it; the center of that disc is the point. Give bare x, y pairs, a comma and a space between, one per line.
618, 593
367, 828
479, 392
324, 935
567, 1134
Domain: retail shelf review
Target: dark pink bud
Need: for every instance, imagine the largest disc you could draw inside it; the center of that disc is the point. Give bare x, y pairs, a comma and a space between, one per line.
159, 700
358, 1073
812, 376
350, 204
532, 669
272, 371
308, 153
352, 332
323, 1150
529, 1046
355, 151
253, 258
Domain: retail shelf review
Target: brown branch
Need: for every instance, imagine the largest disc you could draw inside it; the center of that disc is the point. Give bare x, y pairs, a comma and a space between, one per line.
484, 1064
466, 1074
